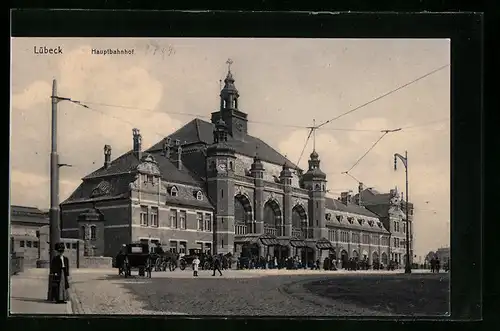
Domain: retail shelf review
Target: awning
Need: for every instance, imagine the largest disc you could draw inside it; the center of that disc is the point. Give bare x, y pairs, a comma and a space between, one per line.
324, 244
248, 239
299, 243
269, 240
283, 241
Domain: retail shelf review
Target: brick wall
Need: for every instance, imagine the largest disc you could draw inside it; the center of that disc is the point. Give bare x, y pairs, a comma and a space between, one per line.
114, 238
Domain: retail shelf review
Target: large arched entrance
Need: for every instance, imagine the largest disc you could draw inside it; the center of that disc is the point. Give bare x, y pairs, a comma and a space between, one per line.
384, 258
333, 255
299, 221
375, 261
344, 256
272, 219
243, 216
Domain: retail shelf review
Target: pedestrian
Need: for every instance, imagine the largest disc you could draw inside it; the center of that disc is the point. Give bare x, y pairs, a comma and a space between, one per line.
196, 263
217, 265
59, 268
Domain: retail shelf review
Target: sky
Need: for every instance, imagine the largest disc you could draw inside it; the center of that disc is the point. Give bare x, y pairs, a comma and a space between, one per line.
284, 85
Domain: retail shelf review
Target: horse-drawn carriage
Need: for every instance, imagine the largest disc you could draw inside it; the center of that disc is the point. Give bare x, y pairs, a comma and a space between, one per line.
135, 256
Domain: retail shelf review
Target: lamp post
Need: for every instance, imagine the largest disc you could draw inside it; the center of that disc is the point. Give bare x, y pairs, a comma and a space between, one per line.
55, 227
404, 160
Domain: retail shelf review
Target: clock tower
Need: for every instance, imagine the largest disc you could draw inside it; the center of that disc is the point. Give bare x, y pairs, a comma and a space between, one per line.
235, 119
220, 169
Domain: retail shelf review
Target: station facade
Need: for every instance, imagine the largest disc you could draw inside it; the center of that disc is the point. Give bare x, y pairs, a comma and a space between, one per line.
212, 186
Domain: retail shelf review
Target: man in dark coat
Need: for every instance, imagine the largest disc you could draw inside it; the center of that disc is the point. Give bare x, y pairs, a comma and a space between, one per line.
59, 269
216, 265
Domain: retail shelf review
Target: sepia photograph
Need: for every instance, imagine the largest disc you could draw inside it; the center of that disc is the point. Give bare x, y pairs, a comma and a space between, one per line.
230, 177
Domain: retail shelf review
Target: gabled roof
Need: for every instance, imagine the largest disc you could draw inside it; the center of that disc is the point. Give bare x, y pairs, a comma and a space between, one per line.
334, 204
117, 186
121, 172
199, 131
123, 164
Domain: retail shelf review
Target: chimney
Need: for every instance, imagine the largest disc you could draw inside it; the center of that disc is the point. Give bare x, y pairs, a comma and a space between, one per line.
361, 188
345, 197
137, 143
167, 148
107, 156
179, 155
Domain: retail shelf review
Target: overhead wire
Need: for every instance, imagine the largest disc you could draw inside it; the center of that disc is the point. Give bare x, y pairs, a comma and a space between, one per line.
305, 145
384, 95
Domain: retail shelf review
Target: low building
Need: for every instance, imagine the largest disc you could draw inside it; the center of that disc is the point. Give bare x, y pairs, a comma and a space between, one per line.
27, 225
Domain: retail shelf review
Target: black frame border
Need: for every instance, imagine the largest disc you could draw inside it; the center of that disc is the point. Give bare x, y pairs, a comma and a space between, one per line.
466, 33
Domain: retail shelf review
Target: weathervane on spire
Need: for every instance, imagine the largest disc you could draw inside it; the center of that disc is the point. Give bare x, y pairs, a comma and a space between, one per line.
229, 62
314, 134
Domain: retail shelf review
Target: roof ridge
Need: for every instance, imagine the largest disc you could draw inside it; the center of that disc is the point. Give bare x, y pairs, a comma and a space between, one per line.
91, 175
262, 141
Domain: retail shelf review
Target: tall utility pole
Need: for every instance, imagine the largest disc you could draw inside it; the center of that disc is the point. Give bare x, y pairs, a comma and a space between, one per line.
55, 230
404, 159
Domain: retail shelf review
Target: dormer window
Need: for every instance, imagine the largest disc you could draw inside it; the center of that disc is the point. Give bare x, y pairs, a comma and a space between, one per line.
328, 216
350, 220
199, 195
173, 191
339, 218
370, 223
379, 224
361, 221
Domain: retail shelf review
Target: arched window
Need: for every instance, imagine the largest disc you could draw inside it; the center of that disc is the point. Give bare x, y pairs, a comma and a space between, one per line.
296, 219
93, 232
239, 211
173, 191
269, 216
199, 195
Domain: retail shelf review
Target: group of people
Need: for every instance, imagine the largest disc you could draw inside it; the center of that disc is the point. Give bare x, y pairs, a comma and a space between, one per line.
435, 264
216, 263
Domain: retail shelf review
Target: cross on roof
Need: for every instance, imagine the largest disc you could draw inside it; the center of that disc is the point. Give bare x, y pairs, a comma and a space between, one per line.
229, 62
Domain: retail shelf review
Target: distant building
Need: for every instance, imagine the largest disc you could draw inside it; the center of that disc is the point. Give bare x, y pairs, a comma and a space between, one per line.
443, 254
26, 225
213, 186
391, 209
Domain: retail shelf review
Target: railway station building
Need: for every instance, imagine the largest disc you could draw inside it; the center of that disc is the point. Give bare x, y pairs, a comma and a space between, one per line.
213, 186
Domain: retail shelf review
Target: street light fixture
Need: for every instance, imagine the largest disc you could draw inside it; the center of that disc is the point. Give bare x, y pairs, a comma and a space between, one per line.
404, 160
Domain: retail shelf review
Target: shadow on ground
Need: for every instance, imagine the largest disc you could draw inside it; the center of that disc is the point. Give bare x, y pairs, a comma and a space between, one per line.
425, 294
29, 299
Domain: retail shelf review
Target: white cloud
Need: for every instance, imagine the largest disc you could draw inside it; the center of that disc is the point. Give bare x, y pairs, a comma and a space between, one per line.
29, 189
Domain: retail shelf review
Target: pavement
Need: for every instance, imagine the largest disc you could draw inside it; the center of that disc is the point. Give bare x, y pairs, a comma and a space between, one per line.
28, 294
240, 292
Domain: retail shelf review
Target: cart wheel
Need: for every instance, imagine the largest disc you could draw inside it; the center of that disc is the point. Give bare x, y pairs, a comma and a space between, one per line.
182, 266
141, 272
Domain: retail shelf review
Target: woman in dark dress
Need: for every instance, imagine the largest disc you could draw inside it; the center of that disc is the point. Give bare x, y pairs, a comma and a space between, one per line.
60, 272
